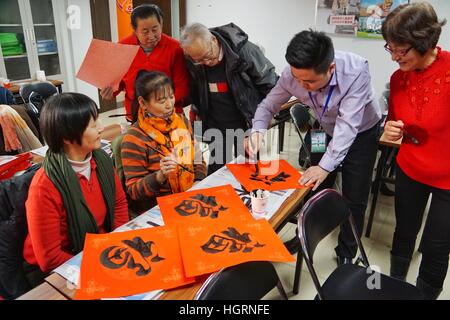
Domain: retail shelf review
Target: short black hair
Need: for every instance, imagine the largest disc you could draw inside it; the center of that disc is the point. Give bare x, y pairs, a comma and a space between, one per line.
65, 117
415, 24
146, 84
310, 50
145, 11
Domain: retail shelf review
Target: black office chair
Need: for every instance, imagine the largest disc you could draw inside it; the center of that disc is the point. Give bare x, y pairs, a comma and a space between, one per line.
14, 278
300, 116
323, 213
45, 89
246, 281
34, 95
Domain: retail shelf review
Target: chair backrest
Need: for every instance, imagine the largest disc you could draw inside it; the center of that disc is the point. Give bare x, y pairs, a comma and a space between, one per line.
385, 96
116, 147
300, 116
320, 215
13, 230
246, 281
6, 97
45, 89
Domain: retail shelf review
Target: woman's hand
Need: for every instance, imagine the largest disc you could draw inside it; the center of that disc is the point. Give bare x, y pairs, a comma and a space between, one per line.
393, 130
167, 166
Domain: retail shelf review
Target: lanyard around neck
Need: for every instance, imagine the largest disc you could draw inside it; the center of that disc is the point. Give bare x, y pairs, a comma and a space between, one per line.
325, 107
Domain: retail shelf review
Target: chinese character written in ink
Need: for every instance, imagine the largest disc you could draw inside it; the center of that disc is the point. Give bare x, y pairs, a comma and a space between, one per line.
281, 177
205, 206
233, 241
116, 257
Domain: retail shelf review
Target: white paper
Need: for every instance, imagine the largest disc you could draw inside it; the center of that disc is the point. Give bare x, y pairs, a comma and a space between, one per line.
40, 151
6, 159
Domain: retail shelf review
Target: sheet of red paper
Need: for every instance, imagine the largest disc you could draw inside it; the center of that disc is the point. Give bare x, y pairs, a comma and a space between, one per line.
267, 179
209, 247
126, 263
207, 205
106, 63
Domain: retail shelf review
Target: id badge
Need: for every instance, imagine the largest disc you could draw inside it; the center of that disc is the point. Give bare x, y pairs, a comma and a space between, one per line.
318, 141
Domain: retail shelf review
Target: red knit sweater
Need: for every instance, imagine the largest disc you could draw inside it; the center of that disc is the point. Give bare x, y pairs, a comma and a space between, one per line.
421, 99
47, 244
167, 57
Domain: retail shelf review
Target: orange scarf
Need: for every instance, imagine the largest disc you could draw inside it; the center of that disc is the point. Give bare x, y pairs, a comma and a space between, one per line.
172, 137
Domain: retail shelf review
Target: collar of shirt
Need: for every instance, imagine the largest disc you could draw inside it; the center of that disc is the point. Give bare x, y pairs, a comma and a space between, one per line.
331, 82
82, 167
147, 50
220, 53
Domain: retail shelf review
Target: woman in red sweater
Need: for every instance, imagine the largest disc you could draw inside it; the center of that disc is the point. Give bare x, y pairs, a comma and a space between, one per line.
419, 113
77, 190
157, 52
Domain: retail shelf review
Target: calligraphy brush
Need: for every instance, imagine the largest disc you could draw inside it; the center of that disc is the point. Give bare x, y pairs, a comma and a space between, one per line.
257, 159
182, 166
257, 164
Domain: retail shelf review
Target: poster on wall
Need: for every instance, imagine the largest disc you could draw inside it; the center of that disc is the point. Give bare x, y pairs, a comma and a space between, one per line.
123, 10
372, 14
338, 17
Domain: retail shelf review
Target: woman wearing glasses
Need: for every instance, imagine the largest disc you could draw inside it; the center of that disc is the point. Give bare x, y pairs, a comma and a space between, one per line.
157, 52
419, 113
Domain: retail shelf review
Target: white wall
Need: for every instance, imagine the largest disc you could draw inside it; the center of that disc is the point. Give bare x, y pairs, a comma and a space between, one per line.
273, 23
76, 43
442, 8
113, 21
268, 23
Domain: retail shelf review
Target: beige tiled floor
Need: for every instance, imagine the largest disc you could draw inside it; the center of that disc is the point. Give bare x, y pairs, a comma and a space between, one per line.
377, 246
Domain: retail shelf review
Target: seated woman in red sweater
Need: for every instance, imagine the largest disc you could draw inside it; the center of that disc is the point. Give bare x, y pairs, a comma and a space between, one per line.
419, 113
77, 190
157, 52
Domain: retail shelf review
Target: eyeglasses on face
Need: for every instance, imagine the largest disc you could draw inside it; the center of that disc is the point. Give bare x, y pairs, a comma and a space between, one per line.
398, 52
209, 56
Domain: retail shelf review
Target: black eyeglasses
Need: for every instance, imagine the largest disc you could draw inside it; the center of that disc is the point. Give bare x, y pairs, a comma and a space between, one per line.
209, 56
399, 52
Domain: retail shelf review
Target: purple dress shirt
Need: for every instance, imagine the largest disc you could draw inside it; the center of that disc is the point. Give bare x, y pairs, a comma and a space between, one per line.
352, 108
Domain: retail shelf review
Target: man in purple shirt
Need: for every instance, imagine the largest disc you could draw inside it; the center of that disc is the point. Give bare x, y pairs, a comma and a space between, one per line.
337, 87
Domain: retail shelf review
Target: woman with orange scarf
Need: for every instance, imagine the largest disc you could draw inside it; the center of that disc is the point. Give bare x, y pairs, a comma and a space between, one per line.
159, 154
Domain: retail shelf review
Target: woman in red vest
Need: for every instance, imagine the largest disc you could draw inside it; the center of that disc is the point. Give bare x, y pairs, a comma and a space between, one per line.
419, 113
158, 52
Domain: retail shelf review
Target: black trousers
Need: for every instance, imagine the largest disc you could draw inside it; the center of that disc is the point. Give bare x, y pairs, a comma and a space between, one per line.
411, 198
357, 169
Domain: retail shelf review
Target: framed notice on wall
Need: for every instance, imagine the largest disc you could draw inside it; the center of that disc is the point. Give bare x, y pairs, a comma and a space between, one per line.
338, 17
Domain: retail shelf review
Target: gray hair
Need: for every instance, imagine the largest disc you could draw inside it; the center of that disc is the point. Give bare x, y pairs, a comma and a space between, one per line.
194, 31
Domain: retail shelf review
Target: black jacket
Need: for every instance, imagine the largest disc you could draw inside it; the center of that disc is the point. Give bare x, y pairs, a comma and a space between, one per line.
13, 230
250, 74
